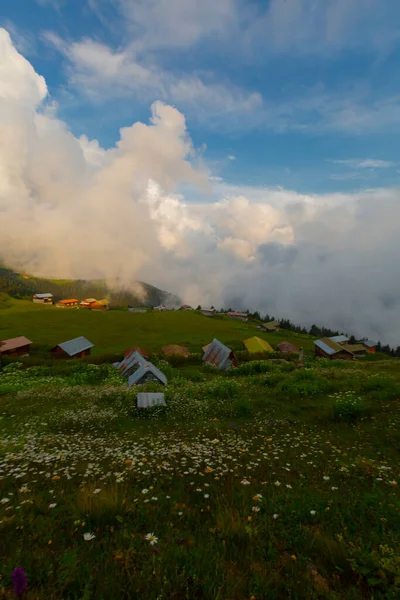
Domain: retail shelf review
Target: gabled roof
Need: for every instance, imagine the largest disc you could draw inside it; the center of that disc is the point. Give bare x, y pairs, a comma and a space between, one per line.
356, 348
14, 343
369, 343
271, 325
141, 351
330, 347
238, 314
131, 359
144, 368
219, 355
287, 347
72, 347
339, 339
256, 344
89, 300
42, 296
67, 301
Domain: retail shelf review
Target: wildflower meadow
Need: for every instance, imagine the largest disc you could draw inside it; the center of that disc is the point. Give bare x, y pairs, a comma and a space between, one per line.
264, 482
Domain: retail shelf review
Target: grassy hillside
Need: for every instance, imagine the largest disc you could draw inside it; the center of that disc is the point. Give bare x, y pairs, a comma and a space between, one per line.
24, 286
264, 483
115, 330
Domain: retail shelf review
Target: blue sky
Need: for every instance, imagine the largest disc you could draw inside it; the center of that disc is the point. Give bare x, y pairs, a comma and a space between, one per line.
303, 93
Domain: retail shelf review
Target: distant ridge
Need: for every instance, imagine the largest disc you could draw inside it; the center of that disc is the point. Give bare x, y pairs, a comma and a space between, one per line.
20, 285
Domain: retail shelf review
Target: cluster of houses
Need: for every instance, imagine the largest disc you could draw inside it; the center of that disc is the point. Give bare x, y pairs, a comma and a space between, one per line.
20, 346
339, 347
89, 303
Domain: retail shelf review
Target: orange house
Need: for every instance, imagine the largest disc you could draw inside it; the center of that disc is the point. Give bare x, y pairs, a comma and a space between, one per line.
71, 302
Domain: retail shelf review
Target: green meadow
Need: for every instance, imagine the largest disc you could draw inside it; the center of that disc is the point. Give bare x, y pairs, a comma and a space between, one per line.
115, 330
266, 482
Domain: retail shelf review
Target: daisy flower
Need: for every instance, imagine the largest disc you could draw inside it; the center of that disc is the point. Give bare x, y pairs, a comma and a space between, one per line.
151, 538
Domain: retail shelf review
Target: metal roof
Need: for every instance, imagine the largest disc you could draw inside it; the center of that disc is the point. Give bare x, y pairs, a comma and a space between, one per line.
132, 359
330, 347
79, 344
219, 355
369, 343
144, 368
339, 339
14, 343
325, 348
43, 295
146, 400
287, 347
256, 344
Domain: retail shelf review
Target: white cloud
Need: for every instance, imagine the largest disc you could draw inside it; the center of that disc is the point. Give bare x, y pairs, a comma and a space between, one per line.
319, 26
69, 208
178, 23
365, 163
102, 73
231, 157
301, 26
18, 79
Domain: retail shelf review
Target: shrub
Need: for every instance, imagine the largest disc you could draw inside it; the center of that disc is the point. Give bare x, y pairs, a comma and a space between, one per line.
381, 388
303, 383
253, 367
273, 379
223, 388
242, 408
347, 407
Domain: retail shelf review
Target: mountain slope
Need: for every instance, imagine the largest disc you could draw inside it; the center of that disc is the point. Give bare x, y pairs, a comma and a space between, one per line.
24, 286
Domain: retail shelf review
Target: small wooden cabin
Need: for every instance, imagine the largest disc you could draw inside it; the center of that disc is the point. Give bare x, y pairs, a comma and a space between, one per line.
19, 346
43, 298
326, 348
357, 349
369, 345
100, 305
69, 303
87, 303
76, 348
239, 316
219, 355
270, 326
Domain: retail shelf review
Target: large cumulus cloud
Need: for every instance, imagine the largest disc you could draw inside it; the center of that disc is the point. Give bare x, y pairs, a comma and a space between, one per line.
70, 208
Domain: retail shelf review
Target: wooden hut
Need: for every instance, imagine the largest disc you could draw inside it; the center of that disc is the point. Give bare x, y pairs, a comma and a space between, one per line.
270, 326
77, 348
69, 303
326, 348
19, 346
43, 299
220, 356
